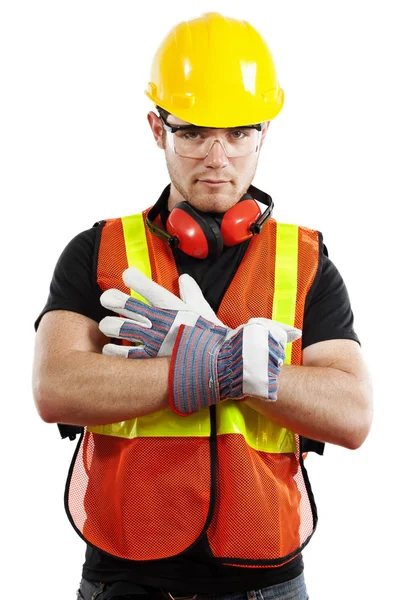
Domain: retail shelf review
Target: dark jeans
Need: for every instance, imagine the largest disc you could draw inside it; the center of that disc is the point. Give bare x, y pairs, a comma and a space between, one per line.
294, 589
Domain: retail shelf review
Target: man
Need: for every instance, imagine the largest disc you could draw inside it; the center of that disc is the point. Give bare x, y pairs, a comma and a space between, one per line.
189, 480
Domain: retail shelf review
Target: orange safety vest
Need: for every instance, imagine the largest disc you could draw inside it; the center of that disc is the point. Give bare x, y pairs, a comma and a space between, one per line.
151, 487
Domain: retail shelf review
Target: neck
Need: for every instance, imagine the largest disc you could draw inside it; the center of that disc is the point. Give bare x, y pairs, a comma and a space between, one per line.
174, 197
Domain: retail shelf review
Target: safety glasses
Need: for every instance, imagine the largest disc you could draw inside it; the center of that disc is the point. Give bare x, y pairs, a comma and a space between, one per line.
192, 141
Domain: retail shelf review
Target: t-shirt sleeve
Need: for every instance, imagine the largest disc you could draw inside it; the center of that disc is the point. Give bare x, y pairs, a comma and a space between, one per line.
328, 314
74, 284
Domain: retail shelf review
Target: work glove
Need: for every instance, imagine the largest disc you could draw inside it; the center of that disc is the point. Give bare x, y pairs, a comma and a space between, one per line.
153, 329
210, 362
210, 365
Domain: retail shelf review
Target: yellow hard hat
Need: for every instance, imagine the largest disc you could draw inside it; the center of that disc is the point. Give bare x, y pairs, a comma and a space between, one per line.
215, 71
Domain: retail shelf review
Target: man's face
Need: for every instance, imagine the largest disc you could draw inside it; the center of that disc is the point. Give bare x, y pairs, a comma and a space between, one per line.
211, 184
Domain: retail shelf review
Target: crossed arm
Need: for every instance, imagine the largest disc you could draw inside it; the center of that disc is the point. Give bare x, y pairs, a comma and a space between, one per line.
328, 398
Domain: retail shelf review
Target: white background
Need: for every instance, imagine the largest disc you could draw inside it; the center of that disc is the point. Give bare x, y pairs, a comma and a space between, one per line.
76, 148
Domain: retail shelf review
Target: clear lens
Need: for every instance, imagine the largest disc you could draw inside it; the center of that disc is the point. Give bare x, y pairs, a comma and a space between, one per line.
197, 142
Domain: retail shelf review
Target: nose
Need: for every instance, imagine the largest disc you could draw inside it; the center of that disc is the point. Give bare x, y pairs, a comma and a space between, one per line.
216, 157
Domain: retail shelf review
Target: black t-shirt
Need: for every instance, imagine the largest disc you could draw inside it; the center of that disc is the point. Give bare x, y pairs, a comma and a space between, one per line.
328, 315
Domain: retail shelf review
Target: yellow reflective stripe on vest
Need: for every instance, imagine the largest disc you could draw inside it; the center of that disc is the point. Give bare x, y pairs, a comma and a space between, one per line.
259, 432
285, 292
163, 423
136, 247
232, 417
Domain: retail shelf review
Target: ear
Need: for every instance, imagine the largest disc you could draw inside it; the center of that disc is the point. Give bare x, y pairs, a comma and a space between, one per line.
264, 132
157, 129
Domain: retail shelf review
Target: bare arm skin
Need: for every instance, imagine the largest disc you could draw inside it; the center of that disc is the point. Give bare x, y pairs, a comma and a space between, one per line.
74, 383
326, 399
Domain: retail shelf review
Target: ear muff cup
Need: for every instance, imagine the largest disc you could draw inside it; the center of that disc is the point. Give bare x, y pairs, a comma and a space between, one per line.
236, 222
198, 233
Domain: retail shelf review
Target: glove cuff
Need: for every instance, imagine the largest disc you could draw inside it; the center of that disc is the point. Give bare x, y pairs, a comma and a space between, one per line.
193, 376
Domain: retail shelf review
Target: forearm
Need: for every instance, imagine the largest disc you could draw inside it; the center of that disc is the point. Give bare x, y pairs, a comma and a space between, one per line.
320, 403
91, 389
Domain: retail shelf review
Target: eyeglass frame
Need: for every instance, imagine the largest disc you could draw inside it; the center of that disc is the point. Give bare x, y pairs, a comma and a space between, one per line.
174, 128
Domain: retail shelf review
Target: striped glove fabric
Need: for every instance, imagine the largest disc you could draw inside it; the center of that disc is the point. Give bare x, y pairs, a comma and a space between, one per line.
210, 365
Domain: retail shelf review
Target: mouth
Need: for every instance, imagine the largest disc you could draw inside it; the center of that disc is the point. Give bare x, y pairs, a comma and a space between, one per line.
213, 182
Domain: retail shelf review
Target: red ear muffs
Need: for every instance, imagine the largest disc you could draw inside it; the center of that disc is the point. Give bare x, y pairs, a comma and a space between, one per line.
199, 234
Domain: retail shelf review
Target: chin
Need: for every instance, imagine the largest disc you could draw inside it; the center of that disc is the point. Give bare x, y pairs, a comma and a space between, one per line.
215, 204
218, 202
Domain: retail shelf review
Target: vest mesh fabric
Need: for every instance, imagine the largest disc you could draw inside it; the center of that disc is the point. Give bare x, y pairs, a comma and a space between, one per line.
140, 515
